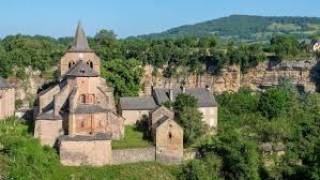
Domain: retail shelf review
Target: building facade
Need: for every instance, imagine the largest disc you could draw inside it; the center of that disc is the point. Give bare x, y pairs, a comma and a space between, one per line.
7, 99
133, 108
81, 105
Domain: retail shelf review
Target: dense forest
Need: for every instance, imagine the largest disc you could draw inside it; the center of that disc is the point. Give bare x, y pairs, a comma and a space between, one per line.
246, 28
178, 57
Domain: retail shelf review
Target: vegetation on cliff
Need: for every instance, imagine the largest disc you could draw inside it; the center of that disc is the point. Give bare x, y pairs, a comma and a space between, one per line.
123, 59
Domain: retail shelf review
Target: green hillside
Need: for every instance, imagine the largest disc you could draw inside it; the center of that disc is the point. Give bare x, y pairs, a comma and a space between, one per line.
246, 28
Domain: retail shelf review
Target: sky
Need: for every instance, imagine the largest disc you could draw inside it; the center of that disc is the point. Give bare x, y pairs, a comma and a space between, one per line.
58, 18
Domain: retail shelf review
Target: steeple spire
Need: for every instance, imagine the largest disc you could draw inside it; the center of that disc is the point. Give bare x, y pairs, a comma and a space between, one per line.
80, 43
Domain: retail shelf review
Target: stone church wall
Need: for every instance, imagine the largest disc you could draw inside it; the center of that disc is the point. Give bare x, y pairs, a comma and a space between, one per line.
48, 131
85, 152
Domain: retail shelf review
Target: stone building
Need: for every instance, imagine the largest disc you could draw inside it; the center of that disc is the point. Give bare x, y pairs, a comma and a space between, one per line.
7, 99
167, 136
79, 108
133, 109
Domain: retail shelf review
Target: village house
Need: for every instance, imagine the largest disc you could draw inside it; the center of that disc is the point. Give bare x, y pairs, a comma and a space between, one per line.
134, 108
7, 99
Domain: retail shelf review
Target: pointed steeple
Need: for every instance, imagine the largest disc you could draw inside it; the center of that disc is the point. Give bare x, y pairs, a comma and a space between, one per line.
80, 42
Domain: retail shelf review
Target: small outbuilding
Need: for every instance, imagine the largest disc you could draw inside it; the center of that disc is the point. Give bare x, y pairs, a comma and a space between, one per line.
169, 141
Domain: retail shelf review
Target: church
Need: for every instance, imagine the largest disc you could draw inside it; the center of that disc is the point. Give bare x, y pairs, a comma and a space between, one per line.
81, 103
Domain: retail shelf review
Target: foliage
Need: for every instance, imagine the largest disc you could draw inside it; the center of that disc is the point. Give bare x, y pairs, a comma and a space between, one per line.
288, 47
245, 28
274, 102
124, 75
207, 168
20, 51
246, 55
189, 117
240, 158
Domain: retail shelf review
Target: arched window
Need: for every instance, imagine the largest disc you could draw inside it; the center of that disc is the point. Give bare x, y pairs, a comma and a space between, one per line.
90, 63
72, 63
82, 99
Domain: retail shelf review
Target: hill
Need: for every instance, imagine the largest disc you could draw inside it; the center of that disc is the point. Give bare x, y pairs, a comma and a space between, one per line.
245, 28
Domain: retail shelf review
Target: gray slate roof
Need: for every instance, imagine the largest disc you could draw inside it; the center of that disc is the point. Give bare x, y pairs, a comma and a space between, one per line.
82, 69
98, 136
137, 103
204, 97
80, 43
4, 84
85, 109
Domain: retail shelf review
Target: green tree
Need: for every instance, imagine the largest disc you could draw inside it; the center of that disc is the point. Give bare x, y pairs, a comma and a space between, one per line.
207, 168
240, 158
189, 117
274, 102
124, 75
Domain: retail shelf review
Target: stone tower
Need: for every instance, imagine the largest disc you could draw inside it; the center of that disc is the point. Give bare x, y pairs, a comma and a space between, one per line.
79, 50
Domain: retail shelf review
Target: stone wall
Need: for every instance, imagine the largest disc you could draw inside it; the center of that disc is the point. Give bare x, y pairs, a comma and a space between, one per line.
123, 156
48, 131
210, 116
75, 152
132, 116
7, 102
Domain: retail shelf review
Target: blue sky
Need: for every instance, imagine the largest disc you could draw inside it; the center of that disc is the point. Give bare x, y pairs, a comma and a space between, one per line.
133, 17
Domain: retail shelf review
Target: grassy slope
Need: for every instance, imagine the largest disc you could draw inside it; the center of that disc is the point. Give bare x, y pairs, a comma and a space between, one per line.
133, 139
22, 157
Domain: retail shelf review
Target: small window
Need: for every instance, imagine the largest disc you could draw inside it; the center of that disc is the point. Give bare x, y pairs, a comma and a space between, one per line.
82, 99
90, 64
72, 63
170, 135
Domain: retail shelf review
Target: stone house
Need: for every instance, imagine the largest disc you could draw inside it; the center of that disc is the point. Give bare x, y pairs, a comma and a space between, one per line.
7, 99
79, 111
167, 136
133, 109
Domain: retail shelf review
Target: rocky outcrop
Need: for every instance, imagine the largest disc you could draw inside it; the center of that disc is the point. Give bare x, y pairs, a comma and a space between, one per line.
301, 73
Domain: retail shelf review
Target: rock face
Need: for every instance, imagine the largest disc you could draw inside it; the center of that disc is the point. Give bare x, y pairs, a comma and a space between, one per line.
302, 73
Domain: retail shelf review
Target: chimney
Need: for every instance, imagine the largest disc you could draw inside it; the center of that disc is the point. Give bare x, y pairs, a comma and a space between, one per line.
171, 94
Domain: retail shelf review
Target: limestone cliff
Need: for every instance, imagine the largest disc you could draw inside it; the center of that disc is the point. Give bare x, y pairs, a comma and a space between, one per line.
301, 73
